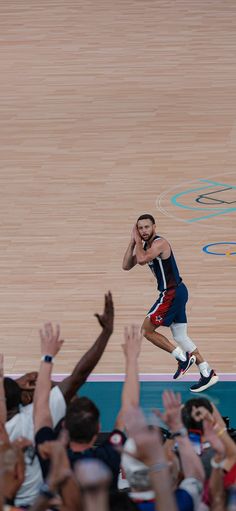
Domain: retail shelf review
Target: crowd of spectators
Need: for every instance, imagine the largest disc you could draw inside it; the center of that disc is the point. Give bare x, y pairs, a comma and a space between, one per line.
183, 459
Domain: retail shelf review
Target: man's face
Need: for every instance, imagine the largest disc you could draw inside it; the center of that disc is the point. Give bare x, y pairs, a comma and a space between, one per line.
146, 229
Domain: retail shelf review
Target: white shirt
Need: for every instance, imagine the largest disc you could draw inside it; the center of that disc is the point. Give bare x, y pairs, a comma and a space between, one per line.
22, 425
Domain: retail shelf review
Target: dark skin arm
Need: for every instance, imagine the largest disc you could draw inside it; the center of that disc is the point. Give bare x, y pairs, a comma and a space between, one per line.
85, 366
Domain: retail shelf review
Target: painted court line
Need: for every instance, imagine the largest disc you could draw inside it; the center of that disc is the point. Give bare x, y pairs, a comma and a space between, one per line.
143, 377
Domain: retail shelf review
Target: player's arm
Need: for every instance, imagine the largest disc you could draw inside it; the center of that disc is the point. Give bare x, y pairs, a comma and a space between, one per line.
130, 259
145, 256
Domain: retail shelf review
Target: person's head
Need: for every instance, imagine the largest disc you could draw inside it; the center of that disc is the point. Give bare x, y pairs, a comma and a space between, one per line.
188, 420
82, 421
146, 226
13, 395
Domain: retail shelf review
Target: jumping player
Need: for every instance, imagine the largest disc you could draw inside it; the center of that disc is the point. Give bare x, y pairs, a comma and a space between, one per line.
147, 247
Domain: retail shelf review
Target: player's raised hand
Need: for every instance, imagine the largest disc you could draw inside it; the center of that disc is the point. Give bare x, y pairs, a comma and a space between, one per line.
50, 339
106, 319
135, 234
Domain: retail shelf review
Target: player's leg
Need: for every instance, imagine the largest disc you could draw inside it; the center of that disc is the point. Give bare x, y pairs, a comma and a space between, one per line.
208, 376
149, 332
161, 313
180, 335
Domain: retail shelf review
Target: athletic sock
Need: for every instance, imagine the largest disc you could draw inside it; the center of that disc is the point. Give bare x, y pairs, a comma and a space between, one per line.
178, 354
204, 369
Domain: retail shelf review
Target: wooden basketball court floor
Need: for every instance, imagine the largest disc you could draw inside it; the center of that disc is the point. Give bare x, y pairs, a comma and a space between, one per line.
109, 109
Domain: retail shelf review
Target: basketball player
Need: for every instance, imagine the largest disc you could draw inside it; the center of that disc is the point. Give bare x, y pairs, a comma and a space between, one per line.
147, 247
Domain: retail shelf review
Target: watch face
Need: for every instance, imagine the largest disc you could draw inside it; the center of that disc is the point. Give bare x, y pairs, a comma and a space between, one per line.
47, 358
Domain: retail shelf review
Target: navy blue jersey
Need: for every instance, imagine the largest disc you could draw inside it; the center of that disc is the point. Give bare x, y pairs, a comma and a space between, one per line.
165, 270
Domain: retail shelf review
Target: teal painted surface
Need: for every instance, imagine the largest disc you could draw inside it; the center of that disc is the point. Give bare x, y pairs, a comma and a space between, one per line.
107, 396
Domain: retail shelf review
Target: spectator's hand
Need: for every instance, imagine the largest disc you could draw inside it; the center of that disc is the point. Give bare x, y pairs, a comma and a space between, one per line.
210, 427
200, 413
28, 380
211, 435
50, 340
4, 439
149, 448
22, 443
60, 467
133, 339
92, 473
106, 319
172, 411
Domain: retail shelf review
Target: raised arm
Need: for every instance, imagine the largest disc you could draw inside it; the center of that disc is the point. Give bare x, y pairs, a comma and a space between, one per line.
131, 387
50, 346
191, 463
130, 259
85, 366
150, 451
158, 247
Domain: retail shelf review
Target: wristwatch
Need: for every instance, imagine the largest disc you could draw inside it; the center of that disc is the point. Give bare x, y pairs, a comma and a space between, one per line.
46, 492
47, 358
181, 432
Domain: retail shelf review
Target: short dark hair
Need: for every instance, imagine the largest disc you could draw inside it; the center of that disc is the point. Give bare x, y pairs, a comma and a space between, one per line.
82, 420
188, 420
12, 393
146, 216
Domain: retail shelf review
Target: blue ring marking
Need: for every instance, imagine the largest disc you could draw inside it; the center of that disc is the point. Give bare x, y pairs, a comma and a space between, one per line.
196, 208
216, 183
218, 211
205, 249
211, 215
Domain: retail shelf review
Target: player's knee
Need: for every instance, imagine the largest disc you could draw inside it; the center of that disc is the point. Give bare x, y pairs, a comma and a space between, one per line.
185, 343
146, 328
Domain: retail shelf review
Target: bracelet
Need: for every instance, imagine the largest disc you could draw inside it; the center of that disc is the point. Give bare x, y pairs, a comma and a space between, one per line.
214, 463
221, 432
157, 467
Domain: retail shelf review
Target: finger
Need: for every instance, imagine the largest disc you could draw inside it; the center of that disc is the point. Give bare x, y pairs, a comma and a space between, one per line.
48, 330
41, 334
159, 414
126, 334
106, 302
110, 301
57, 334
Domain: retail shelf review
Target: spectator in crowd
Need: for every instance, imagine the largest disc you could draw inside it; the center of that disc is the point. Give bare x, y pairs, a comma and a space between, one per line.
21, 421
82, 416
